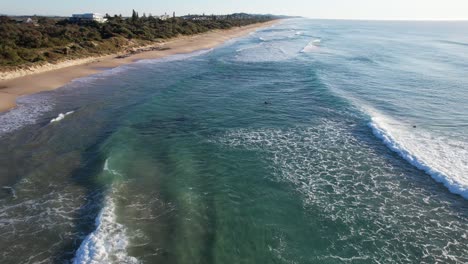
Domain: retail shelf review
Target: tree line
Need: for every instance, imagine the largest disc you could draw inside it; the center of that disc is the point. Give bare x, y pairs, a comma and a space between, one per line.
51, 40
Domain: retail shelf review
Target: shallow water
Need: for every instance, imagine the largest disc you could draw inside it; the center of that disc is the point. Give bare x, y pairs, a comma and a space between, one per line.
307, 142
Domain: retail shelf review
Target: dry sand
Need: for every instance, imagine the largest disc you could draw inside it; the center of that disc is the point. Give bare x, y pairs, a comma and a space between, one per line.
53, 76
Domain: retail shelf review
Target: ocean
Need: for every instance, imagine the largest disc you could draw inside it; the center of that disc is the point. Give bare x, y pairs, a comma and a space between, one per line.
311, 141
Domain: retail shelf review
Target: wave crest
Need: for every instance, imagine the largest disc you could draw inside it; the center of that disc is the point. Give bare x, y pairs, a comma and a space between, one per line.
427, 155
61, 116
108, 242
312, 46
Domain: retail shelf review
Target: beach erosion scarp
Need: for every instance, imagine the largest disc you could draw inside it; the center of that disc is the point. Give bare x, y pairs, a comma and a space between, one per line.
52, 76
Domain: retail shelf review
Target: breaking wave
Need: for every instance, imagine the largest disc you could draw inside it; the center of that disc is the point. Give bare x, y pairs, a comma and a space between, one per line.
108, 242
61, 116
445, 160
349, 183
312, 46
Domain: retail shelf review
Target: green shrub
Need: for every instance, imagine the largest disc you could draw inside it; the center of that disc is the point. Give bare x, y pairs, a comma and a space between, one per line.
51, 40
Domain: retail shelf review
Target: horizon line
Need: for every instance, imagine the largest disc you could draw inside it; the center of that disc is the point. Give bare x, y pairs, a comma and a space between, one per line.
298, 16
394, 19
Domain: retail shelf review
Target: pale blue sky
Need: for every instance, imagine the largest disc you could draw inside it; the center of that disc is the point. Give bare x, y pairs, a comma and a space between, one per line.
344, 9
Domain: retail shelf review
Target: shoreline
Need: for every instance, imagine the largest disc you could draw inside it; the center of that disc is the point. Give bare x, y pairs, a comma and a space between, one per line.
53, 76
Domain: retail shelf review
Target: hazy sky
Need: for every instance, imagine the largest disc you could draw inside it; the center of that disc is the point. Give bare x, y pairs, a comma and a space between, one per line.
345, 9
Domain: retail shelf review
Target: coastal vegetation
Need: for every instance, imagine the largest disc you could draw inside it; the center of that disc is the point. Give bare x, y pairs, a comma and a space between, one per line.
42, 39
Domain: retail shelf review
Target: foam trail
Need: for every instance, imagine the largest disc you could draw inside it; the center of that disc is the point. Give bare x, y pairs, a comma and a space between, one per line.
108, 169
61, 116
436, 157
108, 242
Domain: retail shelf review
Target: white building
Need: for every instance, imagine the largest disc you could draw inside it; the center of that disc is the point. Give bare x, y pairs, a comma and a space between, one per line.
89, 17
164, 17
30, 21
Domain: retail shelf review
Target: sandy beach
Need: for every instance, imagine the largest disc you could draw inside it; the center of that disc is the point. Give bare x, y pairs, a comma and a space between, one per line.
53, 76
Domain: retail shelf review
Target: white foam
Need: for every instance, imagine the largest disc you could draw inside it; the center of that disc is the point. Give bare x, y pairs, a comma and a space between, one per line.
265, 52
312, 46
177, 57
11, 190
29, 109
123, 68
108, 169
444, 159
346, 181
38, 206
248, 47
61, 116
108, 242
101, 75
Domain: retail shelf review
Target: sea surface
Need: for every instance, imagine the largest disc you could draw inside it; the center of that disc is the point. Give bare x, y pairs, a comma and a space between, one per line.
311, 141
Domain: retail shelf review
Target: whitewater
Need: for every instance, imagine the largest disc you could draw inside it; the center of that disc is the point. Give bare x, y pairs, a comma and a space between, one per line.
108, 242
311, 141
444, 159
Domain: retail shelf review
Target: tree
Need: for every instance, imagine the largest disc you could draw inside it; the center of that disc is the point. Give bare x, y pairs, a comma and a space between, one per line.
55, 40
134, 16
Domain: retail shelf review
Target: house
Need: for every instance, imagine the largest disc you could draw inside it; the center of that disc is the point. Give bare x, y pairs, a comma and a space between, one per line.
164, 17
30, 21
88, 17
198, 17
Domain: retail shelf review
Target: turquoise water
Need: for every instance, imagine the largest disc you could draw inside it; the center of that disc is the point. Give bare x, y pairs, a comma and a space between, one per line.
307, 142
